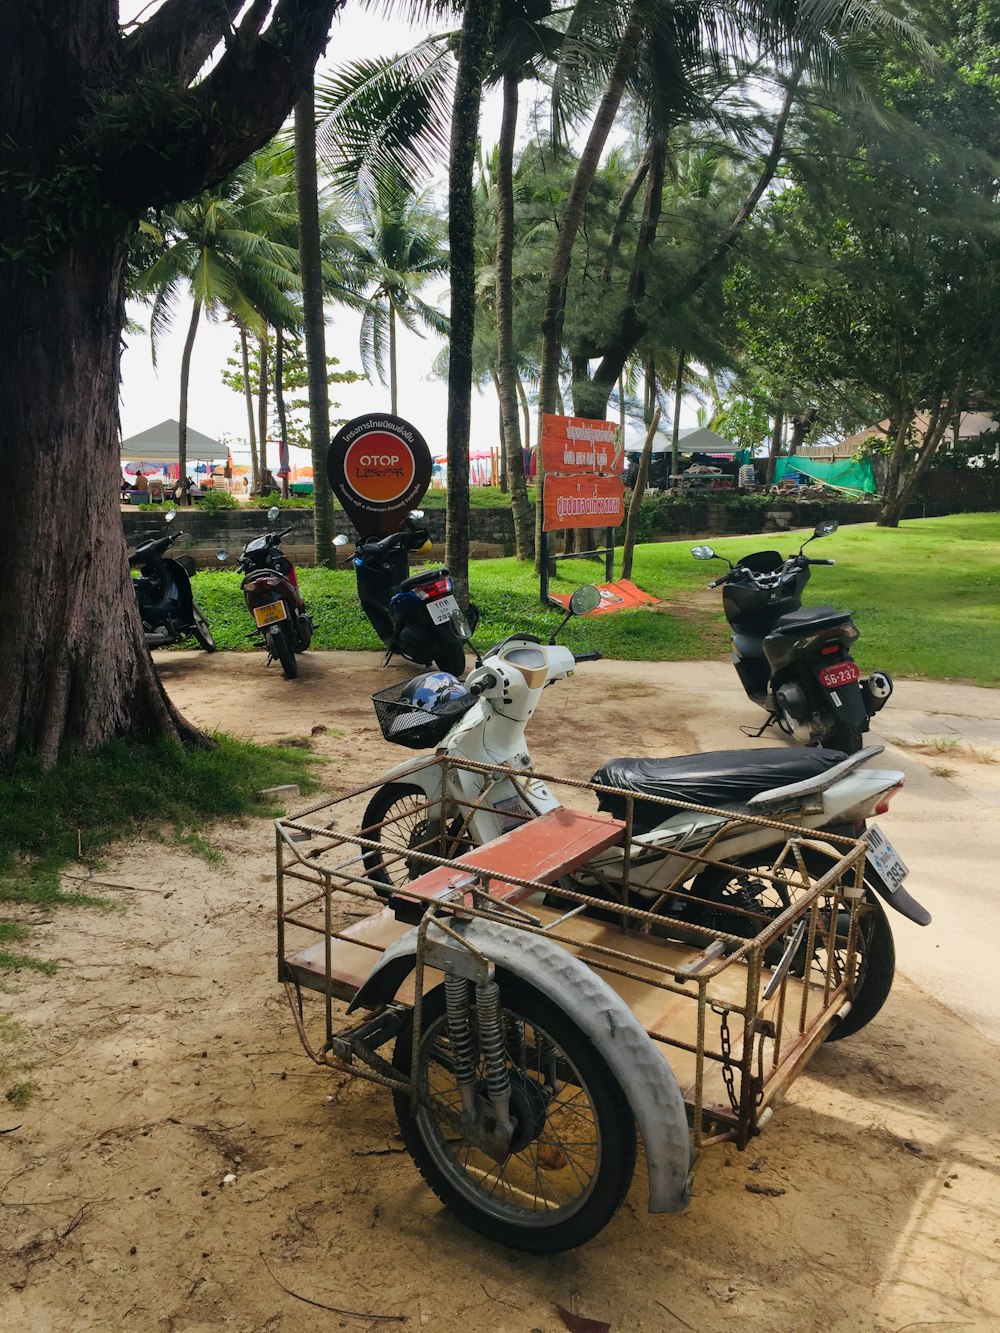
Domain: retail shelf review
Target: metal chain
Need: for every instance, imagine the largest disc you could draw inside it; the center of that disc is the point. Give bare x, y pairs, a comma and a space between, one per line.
727, 1063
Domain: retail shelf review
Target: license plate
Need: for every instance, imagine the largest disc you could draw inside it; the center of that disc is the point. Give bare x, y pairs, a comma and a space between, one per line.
841, 673
442, 609
267, 615
884, 857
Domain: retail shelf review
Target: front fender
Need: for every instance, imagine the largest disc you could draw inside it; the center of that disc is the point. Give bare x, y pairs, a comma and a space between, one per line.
420, 772
620, 1039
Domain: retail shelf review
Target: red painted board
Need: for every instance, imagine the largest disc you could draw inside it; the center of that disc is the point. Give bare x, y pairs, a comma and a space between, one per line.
541, 849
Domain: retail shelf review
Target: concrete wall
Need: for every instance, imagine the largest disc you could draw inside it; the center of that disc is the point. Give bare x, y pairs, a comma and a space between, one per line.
492, 529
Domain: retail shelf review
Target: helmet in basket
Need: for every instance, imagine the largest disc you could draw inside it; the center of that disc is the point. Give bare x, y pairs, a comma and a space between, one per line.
434, 690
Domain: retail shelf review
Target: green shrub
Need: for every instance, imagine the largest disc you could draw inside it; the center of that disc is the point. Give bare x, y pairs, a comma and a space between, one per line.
274, 500
212, 501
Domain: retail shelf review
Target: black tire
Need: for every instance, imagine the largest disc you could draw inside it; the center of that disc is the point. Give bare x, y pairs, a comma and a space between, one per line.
876, 952
397, 818
279, 645
846, 738
544, 1199
450, 656
200, 629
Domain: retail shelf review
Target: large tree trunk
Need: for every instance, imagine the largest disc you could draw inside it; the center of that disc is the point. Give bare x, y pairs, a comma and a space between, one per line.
524, 532
472, 49
251, 423
73, 663
675, 429
314, 322
279, 399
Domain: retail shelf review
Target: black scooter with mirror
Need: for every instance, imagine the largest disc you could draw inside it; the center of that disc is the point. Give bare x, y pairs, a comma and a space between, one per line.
794, 661
163, 590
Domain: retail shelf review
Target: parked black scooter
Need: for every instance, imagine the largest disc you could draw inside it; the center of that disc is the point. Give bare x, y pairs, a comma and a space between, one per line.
163, 589
271, 592
416, 616
795, 662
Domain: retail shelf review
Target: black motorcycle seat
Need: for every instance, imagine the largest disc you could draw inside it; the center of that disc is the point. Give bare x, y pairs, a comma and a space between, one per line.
722, 779
810, 617
425, 576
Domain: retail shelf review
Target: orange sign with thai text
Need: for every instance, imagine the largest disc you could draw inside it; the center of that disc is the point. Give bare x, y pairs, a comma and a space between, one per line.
575, 445
582, 502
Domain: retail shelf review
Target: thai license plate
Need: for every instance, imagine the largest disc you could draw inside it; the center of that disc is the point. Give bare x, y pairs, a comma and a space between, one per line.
842, 673
442, 609
267, 615
884, 857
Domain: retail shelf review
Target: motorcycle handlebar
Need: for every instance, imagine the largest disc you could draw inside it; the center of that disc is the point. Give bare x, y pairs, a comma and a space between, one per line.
588, 657
810, 561
481, 686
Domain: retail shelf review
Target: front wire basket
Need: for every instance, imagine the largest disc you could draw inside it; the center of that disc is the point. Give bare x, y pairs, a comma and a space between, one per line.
404, 723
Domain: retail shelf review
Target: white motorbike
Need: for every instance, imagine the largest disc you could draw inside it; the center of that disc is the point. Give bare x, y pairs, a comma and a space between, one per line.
425, 807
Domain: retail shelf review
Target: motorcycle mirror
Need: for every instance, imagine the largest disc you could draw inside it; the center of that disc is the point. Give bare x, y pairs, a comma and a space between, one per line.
584, 599
460, 625
273, 513
170, 515
340, 539
826, 529
221, 556
703, 553
415, 513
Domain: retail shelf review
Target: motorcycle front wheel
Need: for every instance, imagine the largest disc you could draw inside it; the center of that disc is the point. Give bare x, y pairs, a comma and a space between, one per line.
201, 631
279, 645
570, 1162
399, 820
750, 893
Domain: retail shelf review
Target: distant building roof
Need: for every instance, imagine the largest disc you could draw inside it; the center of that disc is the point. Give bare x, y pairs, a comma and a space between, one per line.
970, 426
691, 440
160, 444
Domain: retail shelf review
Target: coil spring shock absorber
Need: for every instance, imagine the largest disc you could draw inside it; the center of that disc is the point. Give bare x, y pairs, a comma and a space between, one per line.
492, 1043
463, 1042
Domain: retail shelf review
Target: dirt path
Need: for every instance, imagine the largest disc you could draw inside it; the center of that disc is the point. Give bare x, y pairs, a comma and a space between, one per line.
166, 1062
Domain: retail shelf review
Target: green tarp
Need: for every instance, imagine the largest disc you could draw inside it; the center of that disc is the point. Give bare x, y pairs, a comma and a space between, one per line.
844, 474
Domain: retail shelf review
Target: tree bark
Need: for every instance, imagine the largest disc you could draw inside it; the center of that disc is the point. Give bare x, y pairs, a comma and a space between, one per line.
472, 49
83, 132
507, 377
314, 323
251, 423
638, 491
393, 382
675, 431
182, 411
775, 449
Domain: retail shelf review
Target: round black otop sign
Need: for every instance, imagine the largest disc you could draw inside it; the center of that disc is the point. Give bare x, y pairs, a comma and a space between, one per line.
379, 468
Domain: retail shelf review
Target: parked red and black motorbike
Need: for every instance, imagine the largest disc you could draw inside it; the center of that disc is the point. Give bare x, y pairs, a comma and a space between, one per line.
271, 589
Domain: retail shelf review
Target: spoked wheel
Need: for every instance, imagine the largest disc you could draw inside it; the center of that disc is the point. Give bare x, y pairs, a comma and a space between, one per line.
279, 645
201, 631
571, 1159
399, 819
759, 898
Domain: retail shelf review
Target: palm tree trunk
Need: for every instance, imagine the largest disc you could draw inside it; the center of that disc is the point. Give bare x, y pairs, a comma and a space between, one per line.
638, 491
555, 294
393, 382
473, 44
314, 327
507, 377
182, 415
675, 437
279, 399
525, 418
251, 424
262, 392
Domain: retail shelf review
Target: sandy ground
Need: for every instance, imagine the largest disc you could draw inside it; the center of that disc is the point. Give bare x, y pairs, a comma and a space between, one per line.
166, 1061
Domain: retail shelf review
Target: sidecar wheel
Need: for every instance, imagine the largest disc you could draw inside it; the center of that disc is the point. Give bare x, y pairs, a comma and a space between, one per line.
572, 1158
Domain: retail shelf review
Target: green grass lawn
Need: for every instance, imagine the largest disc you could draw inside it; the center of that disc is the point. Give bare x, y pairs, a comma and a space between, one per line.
926, 596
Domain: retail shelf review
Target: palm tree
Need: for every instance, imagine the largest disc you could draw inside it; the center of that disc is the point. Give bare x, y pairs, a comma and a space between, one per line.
396, 250
220, 247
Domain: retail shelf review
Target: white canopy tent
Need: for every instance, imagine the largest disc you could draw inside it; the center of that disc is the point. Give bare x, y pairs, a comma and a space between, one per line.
159, 444
691, 439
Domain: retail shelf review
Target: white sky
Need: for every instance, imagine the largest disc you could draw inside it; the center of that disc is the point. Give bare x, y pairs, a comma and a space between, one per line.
150, 395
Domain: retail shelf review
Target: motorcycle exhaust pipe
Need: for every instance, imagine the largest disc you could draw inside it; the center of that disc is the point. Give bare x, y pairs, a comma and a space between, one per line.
876, 690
